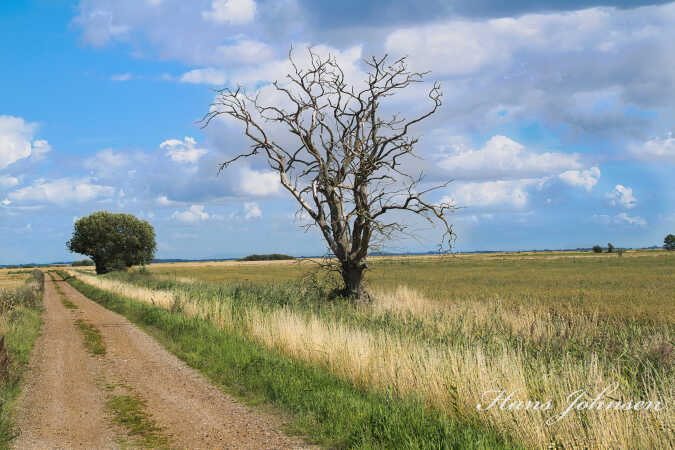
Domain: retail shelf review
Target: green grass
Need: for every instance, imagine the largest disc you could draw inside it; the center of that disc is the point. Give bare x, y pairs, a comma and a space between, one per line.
93, 340
129, 412
633, 343
20, 325
328, 410
68, 304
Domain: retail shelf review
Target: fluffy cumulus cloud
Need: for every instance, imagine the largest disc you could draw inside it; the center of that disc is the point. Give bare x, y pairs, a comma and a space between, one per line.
40, 149
209, 75
622, 196
62, 191
193, 214
184, 151
581, 178
99, 24
657, 149
106, 162
504, 158
259, 183
502, 194
16, 141
163, 200
245, 51
233, 12
582, 69
460, 46
252, 211
7, 181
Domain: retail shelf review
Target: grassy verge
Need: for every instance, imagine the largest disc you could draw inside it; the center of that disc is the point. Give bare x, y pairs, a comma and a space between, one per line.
328, 410
20, 325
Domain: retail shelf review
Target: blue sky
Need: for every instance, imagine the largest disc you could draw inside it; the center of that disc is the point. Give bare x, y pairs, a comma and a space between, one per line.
556, 125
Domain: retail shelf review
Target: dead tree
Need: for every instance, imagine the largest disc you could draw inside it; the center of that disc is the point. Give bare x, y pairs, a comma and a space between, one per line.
347, 169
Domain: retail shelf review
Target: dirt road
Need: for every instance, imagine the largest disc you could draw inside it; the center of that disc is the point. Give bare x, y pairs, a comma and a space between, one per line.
63, 404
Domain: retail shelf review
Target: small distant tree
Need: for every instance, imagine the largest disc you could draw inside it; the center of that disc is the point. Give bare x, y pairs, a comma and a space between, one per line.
597, 249
113, 241
669, 242
610, 248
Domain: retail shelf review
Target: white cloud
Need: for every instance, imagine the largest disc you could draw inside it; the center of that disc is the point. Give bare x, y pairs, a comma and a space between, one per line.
619, 219
622, 195
16, 141
100, 25
183, 151
657, 149
636, 220
7, 182
244, 51
121, 76
208, 75
500, 194
252, 211
6, 202
504, 158
459, 47
106, 162
163, 200
259, 183
193, 214
233, 12
62, 191
451, 48
583, 178
40, 149
349, 60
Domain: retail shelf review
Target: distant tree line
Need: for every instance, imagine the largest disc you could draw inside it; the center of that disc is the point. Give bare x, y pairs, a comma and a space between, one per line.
267, 257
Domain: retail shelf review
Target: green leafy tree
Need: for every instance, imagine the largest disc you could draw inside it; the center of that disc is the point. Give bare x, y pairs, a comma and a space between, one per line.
113, 241
669, 242
83, 263
597, 249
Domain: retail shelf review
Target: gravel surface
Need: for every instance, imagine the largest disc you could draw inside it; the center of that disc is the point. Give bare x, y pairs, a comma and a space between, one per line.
63, 405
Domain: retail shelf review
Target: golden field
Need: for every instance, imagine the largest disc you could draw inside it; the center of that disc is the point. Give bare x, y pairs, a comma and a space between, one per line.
447, 329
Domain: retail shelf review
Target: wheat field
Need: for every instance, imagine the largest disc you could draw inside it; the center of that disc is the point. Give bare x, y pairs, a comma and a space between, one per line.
448, 330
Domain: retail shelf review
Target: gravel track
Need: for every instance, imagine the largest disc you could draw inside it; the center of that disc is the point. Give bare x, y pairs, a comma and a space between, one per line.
63, 404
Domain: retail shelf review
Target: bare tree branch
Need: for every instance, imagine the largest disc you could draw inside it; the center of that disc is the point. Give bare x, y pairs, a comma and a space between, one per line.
347, 172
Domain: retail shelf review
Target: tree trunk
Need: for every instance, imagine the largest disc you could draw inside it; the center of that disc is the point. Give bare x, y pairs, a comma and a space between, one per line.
100, 267
352, 274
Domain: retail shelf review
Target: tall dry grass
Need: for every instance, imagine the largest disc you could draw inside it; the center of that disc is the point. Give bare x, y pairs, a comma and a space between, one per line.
451, 378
